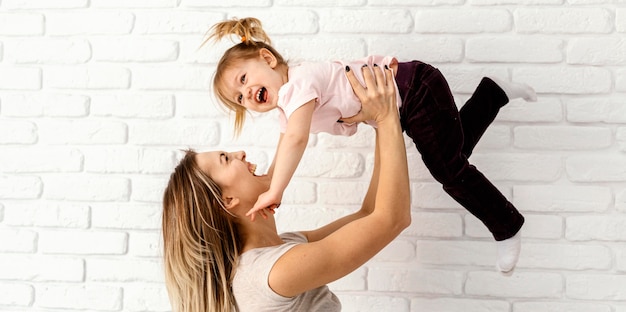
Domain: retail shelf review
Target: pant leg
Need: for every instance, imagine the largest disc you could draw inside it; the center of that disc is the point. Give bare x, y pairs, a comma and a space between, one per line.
430, 117
479, 112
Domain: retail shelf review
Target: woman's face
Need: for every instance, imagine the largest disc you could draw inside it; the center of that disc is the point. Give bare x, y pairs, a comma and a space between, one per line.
233, 174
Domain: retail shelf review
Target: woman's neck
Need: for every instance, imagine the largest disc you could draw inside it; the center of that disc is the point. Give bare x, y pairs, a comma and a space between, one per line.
260, 233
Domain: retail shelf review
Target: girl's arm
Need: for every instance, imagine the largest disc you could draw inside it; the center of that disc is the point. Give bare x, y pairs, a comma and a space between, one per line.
288, 155
311, 265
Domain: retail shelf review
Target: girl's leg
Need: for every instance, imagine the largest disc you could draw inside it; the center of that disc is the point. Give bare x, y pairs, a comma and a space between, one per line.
430, 118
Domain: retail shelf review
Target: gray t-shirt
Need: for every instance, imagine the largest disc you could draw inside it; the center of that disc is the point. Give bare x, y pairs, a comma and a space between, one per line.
252, 290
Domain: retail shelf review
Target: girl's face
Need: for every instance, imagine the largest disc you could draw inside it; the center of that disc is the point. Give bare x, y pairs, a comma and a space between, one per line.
254, 83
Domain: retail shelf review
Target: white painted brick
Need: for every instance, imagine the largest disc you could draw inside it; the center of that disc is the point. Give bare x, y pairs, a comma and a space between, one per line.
41, 269
535, 226
517, 50
597, 51
197, 105
134, 50
21, 24
179, 133
518, 285
620, 20
321, 47
412, 2
439, 49
462, 21
560, 307
230, 4
431, 195
554, 198
45, 104
20, 78
565, 257
544, 110
145, 244
20, 187
620, 257
565, 80
72, 296
17, 132
496, 137
598, 227
48, 51
562, 137
435, 224
256, 131
86, 188
360, 21
355, 281
328, 164
17, 240
427, 281
300, 192
301, 218
374, 303
364, 137
620, 136
456, 253
146, 297
44, 4
286, 22
458, 305
519, 2
34, 159
66, 215
518, 167
607, 110
175, 22
620, 80
399, 250
134, 3
563, 20
82, 242
126, 216
87, 77
166, 77
99, 22
587, 168
126, 270
596, 286
129, 160
464, 79
620, 200
148, 189
91, 132
342, 193
16, 294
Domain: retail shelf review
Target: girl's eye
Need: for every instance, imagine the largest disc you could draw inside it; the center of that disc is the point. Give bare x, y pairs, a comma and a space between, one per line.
239, 98
243, 79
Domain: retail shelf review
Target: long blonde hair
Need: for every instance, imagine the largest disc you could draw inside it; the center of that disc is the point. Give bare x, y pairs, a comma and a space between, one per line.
253, 39
200, 241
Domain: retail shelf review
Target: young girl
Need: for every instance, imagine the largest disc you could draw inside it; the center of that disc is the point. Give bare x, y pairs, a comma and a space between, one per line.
317, 97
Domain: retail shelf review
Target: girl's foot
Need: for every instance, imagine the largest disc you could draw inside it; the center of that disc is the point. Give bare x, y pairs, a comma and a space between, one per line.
508, 253
514, 90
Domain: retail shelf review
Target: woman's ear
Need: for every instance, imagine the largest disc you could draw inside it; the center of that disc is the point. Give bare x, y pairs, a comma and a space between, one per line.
268, 57
230, 202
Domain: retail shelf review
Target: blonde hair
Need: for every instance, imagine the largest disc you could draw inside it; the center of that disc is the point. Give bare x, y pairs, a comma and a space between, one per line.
253, 39
200, 241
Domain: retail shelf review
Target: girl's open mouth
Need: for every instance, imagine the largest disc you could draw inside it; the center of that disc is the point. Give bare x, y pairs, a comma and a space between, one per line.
261, 95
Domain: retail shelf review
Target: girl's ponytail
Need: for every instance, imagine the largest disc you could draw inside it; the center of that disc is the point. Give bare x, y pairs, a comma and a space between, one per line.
248, 29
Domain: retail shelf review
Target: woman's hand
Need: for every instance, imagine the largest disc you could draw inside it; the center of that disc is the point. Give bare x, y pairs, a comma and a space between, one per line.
378, 97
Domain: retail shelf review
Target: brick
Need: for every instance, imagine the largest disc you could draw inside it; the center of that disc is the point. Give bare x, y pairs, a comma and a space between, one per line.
374, 303
514, 50
399, 250
96, 77
82, 242
565, 257
300, 193
462, 21
588, 168
355, 281
20, 187
90, 132
464, 79
342, 193
148, 106
563, 21
324, 164
44, 4
127, 216
17, 240
41, 268
71, 296
439, 50
298, 218
174, 133
86, 188
565, 80
197, 105
66, 215
620, 136
462, 252
21, 24
620, 20
562, 138
518, 285
555, 198
560, 307
596, 51
544, 110
148, 4
359, 21
16, 294
321, 47
535, 226
175, 22
146, 297
364, 137
91, 23
520, 2
20, 78
620, 80
287, 22
435, 224
598, 227
129, 160
596, 287
431, 195
620, 257
48, 51
145, 244
166, 77
518, 167
17, 132
148, 189
126, 270
33, 159
134, 50
606, 110
458, 305
620, 200
410, 3
410, 280
495, 138
45, 104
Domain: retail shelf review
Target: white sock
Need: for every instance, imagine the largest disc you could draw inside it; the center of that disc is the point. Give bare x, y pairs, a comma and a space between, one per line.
508, 253
514, 90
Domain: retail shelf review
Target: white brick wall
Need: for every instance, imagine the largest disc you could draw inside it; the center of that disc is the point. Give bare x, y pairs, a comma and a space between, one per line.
98, 97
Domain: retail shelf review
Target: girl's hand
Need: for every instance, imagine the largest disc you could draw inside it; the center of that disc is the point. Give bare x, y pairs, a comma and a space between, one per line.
378, 97
268, 200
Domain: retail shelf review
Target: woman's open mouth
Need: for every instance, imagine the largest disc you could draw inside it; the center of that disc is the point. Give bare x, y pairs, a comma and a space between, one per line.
261, 95
252, 168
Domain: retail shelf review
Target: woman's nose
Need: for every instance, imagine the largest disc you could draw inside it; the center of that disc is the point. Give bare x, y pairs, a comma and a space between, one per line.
240, 155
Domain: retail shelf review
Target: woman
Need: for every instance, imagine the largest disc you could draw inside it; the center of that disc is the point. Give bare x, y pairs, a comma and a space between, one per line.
217, 259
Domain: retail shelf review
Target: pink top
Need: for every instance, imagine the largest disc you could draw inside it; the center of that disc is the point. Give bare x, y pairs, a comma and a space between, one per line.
326, 83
